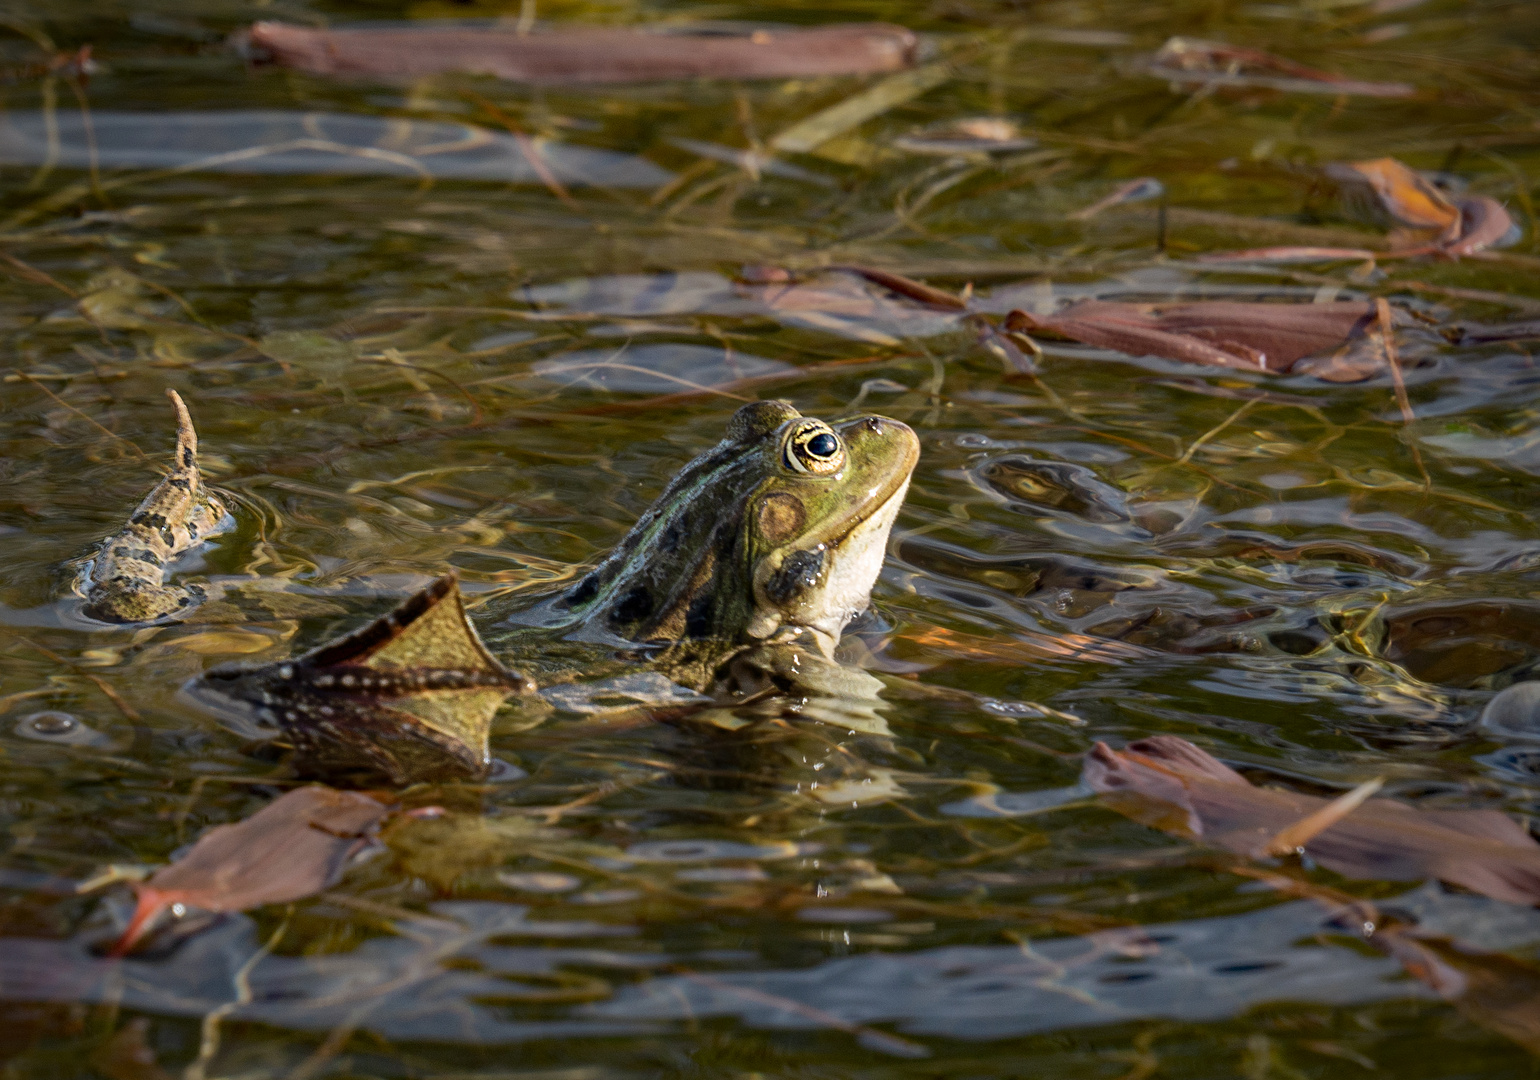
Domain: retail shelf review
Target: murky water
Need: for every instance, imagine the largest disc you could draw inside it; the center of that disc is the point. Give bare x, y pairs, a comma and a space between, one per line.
405, 351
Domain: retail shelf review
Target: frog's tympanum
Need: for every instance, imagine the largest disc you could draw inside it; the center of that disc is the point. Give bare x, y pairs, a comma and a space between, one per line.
125, 582
774, 535
410, 696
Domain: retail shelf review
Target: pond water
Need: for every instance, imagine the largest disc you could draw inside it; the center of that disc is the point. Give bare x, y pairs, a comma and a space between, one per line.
407, 348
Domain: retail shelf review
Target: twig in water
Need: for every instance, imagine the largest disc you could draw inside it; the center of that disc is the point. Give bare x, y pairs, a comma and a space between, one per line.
1388, 343
38, 383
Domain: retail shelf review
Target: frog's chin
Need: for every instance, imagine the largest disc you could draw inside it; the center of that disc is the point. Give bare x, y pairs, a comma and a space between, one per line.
248, 719
845, 586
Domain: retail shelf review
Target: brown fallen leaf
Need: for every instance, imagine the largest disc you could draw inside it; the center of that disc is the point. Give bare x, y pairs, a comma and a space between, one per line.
1216, 63
1483, 222
293, 847
410, 696
1408, 197
1219, 333
1173, 785
586, 54
1437, 223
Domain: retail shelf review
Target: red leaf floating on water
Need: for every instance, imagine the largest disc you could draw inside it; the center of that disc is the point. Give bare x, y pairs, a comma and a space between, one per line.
1173, 785
1220, 333
589, 54
293, 847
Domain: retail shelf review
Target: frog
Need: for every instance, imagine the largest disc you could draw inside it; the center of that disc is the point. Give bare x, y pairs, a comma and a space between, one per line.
771, 539
125, 580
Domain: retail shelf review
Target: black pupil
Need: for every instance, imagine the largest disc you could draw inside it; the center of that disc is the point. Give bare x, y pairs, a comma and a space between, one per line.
823, 446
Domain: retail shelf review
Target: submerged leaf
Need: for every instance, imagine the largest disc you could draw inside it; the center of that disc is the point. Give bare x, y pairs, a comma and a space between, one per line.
1219, 333
586, 54
410, 696
1188, 60
1171, 784
294, 847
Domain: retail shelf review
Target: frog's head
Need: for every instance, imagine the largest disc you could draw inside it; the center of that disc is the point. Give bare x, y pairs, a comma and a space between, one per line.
781, 527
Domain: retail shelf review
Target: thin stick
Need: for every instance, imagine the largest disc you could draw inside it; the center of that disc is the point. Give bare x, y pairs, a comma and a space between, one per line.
1293, 838
37, 383
1388, 343
31, 273
1212, 432
530, 151
208, 1044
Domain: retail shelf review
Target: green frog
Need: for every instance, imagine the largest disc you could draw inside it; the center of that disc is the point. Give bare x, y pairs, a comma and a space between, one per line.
772, 537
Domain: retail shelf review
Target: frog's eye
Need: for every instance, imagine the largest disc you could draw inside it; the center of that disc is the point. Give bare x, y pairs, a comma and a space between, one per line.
812, 447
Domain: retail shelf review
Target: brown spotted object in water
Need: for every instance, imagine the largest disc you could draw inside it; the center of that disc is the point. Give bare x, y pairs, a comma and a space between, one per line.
126, 580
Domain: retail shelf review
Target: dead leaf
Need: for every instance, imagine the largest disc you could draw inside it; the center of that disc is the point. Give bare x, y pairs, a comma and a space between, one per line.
1219, 333
1171, 784
1408, 197
410, 696
1484, 222
1188, 60
587, 54
293, 847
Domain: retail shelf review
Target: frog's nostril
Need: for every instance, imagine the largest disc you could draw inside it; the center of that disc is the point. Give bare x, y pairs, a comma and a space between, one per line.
874, 423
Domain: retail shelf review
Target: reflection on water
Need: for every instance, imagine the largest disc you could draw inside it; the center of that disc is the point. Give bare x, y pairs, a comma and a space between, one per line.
307, 144
839, 869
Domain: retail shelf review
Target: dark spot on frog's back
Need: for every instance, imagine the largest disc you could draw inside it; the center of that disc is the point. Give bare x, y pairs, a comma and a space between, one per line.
632, 607
798, 573
697, 621
676, 531
149, 520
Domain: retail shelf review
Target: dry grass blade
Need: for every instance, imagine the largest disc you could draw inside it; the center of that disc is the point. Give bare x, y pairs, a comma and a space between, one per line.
1392, 360
1290, 840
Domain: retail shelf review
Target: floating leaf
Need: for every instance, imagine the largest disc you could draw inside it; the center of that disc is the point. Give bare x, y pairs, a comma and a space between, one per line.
126, 581
1457, 227
1219, 333
410, 696
293, 847
586, 54
1405, 194
1173, 785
